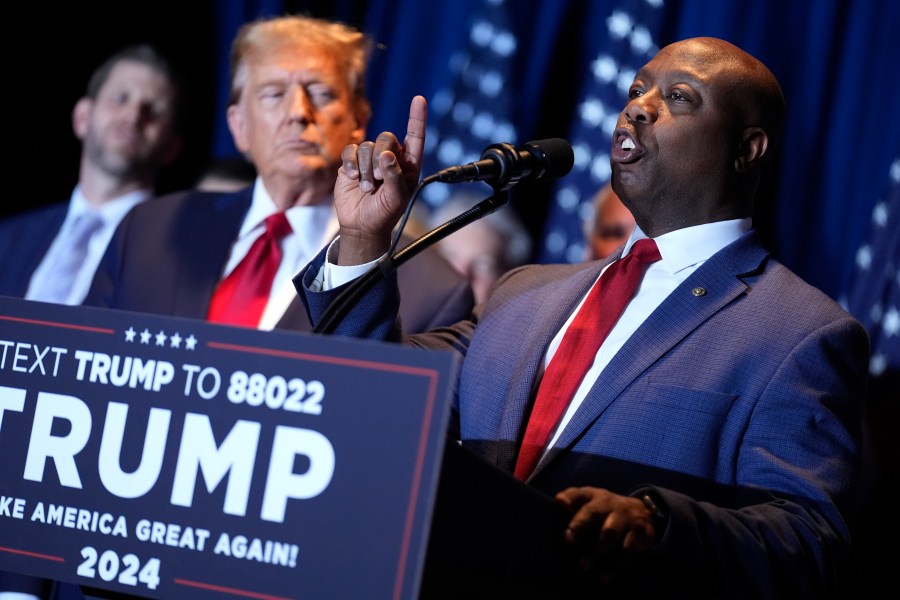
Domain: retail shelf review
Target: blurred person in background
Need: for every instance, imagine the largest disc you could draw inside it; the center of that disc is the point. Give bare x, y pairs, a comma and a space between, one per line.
607, 226
126, 122
485, 249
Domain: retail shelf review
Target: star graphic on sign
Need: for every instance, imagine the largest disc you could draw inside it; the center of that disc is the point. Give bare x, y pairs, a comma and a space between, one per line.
161, 338
175, 340
145, 337
191, 342
129, 334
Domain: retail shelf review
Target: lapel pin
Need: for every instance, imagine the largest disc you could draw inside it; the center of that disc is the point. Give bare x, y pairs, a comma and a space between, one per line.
698, 291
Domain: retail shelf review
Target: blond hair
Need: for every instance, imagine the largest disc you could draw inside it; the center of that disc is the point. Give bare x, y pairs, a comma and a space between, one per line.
350, 48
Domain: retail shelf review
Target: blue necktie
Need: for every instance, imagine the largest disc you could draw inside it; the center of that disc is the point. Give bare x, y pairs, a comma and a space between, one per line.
67, 260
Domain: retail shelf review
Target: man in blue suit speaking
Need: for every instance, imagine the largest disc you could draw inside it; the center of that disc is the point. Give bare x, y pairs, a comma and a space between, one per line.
710, 447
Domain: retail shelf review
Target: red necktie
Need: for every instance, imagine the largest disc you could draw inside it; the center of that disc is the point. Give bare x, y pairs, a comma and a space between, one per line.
578, 349
241, 297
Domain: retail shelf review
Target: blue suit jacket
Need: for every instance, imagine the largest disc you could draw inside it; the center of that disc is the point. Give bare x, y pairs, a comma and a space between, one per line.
740, 404
168, 254
24, 240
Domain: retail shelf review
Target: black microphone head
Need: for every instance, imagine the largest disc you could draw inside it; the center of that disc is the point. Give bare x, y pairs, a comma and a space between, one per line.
503, 165
555, 154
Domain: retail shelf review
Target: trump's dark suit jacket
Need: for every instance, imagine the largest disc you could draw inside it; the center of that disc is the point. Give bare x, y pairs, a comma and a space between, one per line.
24, 240
168, 254
739, 399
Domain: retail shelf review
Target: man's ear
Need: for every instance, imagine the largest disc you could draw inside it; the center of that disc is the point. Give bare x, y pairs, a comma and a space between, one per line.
752, 150
358, 135
81, 116
237, 126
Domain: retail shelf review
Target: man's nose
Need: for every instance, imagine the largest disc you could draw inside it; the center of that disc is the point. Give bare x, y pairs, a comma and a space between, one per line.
131, 112
144, 113
299, 106
642, 108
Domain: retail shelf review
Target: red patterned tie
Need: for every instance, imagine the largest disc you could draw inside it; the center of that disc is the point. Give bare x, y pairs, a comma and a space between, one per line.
576, 353
241, 297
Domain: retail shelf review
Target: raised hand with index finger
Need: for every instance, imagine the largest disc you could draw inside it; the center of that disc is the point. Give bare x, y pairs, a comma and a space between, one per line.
374, 184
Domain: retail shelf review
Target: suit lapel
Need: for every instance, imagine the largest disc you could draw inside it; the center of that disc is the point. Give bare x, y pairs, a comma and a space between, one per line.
27, 238
548, 306
219, 221
684, 310
52, 222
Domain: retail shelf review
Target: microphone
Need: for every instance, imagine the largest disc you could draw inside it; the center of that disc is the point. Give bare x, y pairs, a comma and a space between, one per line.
503, 165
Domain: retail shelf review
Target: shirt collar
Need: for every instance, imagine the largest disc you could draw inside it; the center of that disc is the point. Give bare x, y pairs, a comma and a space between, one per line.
689, 246
310, 221
110, 211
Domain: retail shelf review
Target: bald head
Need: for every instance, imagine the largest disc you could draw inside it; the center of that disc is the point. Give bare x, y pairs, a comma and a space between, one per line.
702, 117
749, 90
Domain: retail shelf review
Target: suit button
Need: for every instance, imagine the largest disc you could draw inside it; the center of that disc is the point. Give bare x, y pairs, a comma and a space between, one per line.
699, 291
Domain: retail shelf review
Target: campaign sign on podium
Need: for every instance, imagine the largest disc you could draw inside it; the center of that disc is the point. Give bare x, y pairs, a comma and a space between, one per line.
162, 457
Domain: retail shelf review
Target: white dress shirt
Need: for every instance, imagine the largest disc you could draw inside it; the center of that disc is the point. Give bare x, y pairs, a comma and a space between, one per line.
312, 228
111, 212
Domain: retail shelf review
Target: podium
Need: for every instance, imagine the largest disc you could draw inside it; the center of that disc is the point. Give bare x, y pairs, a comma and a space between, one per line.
157, 457
492, 536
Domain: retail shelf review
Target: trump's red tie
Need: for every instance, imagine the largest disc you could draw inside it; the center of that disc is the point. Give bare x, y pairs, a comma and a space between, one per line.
575, 355
242, 296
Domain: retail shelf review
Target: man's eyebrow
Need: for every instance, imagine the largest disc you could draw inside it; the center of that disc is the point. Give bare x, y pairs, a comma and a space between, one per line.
687, 76
679, 76
270, 80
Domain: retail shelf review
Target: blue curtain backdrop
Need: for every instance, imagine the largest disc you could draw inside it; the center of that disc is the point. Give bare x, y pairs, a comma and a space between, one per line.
562, 65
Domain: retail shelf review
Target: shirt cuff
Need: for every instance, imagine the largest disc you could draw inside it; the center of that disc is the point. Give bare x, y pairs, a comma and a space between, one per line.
332, 275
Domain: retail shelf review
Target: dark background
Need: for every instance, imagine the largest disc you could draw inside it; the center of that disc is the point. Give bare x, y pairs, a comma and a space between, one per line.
836, 59
60, 46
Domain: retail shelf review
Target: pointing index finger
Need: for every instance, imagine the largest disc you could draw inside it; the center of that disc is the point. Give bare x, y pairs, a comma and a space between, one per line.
414, 142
